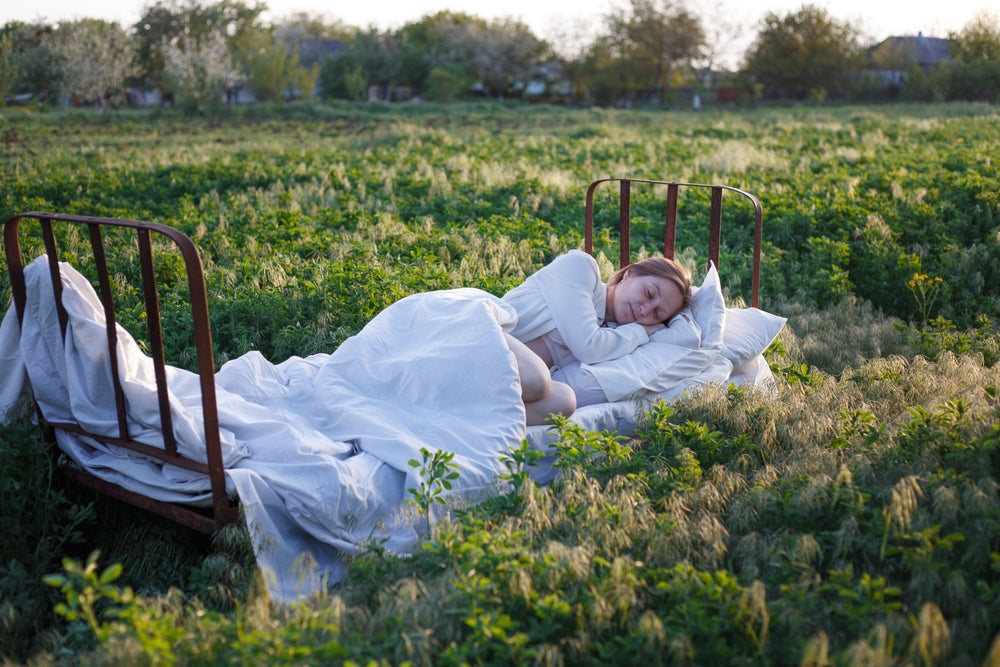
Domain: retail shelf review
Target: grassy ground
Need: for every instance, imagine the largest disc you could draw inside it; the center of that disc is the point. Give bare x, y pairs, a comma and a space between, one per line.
852, 520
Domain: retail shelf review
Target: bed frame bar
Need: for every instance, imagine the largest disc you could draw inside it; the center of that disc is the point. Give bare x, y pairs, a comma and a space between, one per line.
223, 510
670, 220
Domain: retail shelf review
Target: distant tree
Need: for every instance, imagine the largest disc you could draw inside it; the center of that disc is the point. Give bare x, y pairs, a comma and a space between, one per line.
975, 74
570, 42
505, 54
187, 24
446, 83
648, 47
341, 78
377, 53
443, 44
272, 67
413, 66
8, 65
355, 84
301, 80
497, 54
200, 72
422, 49
805, 53
607, 75
161, 23
39, 68
979, 39
721, 30
301, 27
97, 59
654, 37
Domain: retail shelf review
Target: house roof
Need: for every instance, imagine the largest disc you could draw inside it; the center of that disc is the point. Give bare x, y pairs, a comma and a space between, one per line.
924, 51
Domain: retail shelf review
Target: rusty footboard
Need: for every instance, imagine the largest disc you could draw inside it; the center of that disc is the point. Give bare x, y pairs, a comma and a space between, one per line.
223, 510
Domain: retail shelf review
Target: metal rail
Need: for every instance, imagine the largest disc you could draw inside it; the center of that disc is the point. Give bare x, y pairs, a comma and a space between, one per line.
670, 222
223, 510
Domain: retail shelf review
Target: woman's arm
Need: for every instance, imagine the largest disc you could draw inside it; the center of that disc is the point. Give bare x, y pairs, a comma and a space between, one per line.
570, 286
669, 357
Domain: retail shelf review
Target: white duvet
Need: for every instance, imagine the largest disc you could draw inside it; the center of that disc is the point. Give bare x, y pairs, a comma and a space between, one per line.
316, 448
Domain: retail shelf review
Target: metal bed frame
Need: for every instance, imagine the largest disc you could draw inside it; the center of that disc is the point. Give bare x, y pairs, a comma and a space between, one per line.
224, 510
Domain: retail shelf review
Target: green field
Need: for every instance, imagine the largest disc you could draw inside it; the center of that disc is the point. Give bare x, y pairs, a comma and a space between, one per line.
855, 519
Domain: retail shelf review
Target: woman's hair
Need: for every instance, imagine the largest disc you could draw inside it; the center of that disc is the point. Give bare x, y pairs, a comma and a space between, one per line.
663, 268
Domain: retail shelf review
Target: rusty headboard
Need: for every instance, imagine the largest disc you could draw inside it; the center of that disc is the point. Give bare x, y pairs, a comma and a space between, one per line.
670, 221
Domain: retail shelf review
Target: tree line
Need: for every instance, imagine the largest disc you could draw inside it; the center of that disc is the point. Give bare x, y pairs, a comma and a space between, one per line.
197, 54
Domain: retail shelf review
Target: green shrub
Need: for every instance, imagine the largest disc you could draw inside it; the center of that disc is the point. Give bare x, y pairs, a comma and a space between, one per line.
446, 83
39, 522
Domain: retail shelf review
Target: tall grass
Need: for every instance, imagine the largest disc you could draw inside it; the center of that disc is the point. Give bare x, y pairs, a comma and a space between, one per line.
851, 520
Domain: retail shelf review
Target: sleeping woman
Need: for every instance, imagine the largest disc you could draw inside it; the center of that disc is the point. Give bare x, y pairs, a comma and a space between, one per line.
566, 316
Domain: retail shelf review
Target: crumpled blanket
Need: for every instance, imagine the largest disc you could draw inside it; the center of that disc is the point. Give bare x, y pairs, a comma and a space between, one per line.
316, 448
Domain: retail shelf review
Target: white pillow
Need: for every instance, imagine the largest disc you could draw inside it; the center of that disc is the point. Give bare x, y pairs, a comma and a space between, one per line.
754, 373
748, 332
715, 373
709, 310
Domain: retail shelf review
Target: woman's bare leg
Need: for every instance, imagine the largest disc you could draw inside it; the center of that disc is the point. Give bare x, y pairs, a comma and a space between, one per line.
535, 378
540, 394
560, 400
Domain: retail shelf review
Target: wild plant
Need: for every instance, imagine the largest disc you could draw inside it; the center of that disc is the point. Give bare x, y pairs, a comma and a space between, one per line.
40, 522
797, 375
437, 471
578, 447
857, 428
690, 444
516, 461
925, 291
942, 335
845, 334
85, 590
745, 529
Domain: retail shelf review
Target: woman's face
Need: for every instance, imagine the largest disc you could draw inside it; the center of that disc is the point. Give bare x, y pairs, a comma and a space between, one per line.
644, 299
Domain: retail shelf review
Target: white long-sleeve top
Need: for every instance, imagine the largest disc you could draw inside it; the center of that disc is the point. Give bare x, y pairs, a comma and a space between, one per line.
564, 303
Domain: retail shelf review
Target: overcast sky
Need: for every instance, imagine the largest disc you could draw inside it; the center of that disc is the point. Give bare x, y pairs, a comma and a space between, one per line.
878, 18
